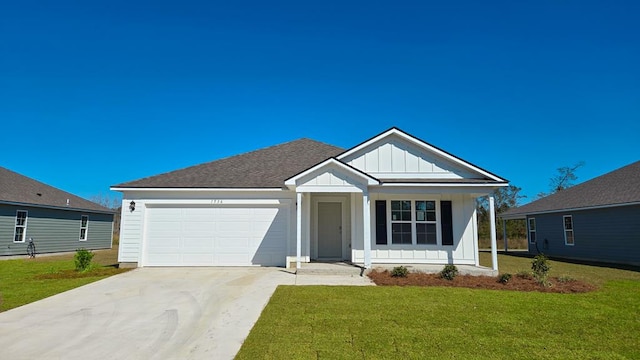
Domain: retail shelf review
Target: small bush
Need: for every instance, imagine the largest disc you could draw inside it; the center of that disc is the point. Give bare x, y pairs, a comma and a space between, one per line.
565, 279
399, 271
540, 266
83, 259
449, 272
504, 278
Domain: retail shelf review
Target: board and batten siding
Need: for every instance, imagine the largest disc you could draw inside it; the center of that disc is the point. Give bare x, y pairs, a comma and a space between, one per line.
606, 235
54, 230
464, 248
395, 157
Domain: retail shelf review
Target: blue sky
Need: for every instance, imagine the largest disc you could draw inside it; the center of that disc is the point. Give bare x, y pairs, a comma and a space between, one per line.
97, 93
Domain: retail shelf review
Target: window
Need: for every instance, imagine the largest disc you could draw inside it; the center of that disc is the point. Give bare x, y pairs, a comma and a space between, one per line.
532, 230
413, 222
21, 226
426, 222
401, 222
381, 222
568, 229
84, 227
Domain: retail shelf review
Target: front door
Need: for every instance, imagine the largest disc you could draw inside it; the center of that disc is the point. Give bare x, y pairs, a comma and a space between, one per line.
329, 230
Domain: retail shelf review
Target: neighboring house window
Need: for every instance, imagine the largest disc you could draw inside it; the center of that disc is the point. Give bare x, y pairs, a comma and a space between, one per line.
84, 227
401, 222
568, 229
21, 226
426, 222
532, 230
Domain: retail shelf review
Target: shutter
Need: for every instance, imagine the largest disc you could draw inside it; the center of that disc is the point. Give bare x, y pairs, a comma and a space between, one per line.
446, 222
381, 222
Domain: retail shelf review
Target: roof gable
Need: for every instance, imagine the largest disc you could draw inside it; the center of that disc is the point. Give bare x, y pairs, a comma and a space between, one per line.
265, 168
616, 188
331, 175
395, 154
19, 189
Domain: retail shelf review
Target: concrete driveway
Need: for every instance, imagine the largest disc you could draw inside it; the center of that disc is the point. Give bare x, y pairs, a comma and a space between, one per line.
150, 313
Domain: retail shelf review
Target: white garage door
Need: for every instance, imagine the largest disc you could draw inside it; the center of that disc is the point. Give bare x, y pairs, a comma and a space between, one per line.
222, 236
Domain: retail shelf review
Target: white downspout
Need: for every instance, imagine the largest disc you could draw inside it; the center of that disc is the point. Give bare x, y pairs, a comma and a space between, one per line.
298, 229
492, 219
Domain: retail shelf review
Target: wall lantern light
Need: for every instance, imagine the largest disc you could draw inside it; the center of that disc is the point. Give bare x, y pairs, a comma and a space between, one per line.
132, 205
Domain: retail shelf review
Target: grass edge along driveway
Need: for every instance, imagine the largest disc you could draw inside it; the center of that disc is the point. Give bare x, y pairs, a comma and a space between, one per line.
317, 322
24, 281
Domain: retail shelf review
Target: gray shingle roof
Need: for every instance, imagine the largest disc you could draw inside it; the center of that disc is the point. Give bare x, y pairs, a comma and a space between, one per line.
618, 187
16, 188
264, 168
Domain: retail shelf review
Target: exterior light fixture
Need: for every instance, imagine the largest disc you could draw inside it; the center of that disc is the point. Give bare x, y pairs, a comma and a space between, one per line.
132, 205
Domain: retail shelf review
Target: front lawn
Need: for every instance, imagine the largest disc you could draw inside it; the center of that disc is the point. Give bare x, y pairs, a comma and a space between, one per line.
23, 281
309, 322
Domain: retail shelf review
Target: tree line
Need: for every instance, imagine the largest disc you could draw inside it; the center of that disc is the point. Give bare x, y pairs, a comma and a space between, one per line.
510, 197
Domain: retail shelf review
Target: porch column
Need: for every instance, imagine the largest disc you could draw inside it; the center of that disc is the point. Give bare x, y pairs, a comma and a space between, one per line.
504, 234
366, 219
492, 220
298, 229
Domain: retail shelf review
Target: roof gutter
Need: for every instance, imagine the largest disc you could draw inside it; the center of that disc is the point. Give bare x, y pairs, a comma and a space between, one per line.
57, 207
525, 214
117, 188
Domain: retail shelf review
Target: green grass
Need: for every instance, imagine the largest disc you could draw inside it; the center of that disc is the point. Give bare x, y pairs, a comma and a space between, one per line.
323, 322
23, 281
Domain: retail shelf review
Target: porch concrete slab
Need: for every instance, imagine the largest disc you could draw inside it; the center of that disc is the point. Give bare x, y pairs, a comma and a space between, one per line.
338, 280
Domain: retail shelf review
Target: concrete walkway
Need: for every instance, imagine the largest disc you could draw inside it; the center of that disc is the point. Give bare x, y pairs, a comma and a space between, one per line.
151, 313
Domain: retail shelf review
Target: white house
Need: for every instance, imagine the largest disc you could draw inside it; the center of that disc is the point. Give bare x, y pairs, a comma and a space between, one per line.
393, 199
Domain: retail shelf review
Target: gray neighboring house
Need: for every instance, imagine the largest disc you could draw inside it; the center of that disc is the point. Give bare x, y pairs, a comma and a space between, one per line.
55, 219
597, 220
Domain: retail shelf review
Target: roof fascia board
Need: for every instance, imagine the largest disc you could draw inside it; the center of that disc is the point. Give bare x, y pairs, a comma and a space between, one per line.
116, 188
522, 215
370, 180
423, 144
491, 185
57, 207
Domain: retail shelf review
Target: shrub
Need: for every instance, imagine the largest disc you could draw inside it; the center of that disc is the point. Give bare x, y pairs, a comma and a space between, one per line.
540, 266
504, 278
565, 279
449, 272
83, 259
399, 271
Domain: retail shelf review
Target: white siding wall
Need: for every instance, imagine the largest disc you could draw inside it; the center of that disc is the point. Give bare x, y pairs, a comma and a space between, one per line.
394, 158
130, 232
462, 252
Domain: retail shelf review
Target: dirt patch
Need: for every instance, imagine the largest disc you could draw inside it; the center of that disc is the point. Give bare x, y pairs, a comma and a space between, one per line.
517, 282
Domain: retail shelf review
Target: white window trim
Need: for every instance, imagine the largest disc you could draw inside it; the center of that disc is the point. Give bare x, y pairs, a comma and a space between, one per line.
573, 232
529, 230
15, 226
414, 234
86, 229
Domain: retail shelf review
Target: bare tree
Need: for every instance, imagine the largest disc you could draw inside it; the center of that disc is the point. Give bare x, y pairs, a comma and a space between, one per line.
563, 180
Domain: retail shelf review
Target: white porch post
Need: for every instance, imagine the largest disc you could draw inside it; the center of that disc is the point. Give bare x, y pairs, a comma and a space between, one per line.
492, 220
298, 229
504, 234
366, 219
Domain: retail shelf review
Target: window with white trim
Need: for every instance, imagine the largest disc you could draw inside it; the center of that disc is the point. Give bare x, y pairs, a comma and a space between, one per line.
84, 227
567, 221
426, 222
413, 222
401, 224
532, 230
20, 231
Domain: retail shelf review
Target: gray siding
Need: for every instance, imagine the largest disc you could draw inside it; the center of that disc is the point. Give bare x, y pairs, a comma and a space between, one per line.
608, 235
54, 230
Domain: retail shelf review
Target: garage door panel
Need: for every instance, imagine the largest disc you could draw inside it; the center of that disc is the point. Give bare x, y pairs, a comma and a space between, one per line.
216, 236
